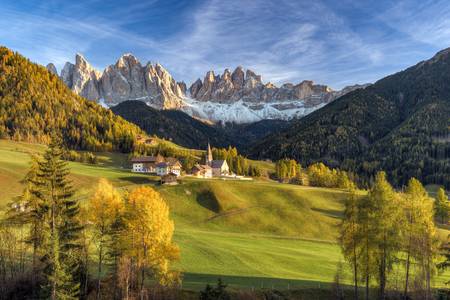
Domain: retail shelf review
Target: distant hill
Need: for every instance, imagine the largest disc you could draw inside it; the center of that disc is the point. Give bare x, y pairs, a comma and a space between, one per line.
34, 103
173, 125
193, 133
400, 124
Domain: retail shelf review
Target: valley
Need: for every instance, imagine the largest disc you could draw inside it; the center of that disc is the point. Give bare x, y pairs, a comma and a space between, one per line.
127, 183
225, 229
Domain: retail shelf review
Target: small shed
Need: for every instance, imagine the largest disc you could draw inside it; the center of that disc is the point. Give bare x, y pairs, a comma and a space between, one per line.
170, 179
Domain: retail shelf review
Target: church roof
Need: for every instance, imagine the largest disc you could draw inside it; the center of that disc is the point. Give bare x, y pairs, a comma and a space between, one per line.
201, 167
215, 164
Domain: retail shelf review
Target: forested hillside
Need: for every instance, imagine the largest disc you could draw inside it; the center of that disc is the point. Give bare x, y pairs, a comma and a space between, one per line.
172, 125
400, 124
34, 104
189, 132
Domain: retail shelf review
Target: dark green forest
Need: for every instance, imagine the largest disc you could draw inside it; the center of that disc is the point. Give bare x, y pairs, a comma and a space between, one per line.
189, 132
400, 125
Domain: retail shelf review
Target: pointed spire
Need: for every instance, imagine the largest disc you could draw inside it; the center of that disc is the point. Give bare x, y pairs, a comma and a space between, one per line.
209, 157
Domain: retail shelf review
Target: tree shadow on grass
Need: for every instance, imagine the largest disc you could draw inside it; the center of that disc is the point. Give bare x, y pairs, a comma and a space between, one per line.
329, 212
197, 281
208, 200
138, 180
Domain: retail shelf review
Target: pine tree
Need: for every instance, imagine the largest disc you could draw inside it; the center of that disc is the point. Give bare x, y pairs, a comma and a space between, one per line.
60, 226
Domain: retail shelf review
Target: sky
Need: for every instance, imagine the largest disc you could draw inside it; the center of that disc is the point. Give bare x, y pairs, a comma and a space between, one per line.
336, 43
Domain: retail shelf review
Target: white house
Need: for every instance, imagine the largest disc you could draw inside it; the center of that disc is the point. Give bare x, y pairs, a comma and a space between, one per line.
170, 166
146, 164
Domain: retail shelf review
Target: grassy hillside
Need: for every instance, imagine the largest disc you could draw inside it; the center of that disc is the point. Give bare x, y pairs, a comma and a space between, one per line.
251, 234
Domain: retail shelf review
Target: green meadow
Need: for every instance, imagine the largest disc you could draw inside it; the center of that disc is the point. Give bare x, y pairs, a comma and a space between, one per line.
252, 234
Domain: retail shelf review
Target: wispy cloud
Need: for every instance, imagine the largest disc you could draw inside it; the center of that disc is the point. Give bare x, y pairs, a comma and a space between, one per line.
353, 42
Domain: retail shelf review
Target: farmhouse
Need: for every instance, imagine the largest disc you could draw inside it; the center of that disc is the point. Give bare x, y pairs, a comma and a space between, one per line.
203, 171
156, 165
169, 179
171, 165
146, 164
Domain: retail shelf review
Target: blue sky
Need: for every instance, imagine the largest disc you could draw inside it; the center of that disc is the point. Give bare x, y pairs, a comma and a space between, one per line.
331, 42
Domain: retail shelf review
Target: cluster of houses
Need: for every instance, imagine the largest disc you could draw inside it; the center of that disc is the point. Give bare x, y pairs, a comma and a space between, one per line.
169, 168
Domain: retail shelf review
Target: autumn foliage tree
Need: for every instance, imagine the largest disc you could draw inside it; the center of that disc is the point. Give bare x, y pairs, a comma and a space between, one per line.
149, 232
442, 206
386, 229
103, 209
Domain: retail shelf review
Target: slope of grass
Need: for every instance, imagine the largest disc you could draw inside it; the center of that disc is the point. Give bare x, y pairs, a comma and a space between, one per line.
256, 207
252, 234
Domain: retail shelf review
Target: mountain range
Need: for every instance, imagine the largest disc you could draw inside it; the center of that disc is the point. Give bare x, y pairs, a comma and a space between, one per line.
400, 124
233, 97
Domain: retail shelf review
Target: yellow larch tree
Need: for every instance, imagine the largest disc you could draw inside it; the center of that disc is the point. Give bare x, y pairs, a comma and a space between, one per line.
150, 231
102, 211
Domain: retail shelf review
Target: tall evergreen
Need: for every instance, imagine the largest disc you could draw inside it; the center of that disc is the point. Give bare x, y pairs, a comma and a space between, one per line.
60, 225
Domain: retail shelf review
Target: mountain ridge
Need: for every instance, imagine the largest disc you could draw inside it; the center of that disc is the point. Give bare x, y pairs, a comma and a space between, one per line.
399, 124
236, 97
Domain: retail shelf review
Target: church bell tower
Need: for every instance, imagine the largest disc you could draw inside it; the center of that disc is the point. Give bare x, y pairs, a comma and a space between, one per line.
209, 157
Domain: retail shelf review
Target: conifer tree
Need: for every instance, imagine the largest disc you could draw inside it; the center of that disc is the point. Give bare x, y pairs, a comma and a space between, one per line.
60, 225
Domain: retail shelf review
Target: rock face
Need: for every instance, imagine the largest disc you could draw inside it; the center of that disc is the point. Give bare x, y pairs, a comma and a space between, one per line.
242, 97
52, 69
238, 97
248, 87
127, 79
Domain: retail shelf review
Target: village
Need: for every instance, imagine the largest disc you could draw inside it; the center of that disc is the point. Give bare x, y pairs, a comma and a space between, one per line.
170, 168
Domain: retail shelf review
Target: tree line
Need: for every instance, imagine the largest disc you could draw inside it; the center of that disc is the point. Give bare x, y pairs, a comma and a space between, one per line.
389, 239
317, 174
48, 241
237, 163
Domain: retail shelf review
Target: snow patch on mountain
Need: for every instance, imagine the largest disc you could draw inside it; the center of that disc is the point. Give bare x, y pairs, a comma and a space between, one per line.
241, 112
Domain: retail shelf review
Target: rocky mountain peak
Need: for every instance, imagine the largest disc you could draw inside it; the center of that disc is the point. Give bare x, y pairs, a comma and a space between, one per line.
249, 74
52, 69
127, 79
239, 96
247, 85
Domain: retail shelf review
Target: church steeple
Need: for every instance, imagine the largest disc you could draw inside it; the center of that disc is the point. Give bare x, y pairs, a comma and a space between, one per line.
209, 156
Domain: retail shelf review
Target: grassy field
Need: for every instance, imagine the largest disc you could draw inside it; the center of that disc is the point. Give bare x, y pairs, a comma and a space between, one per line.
251, 234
